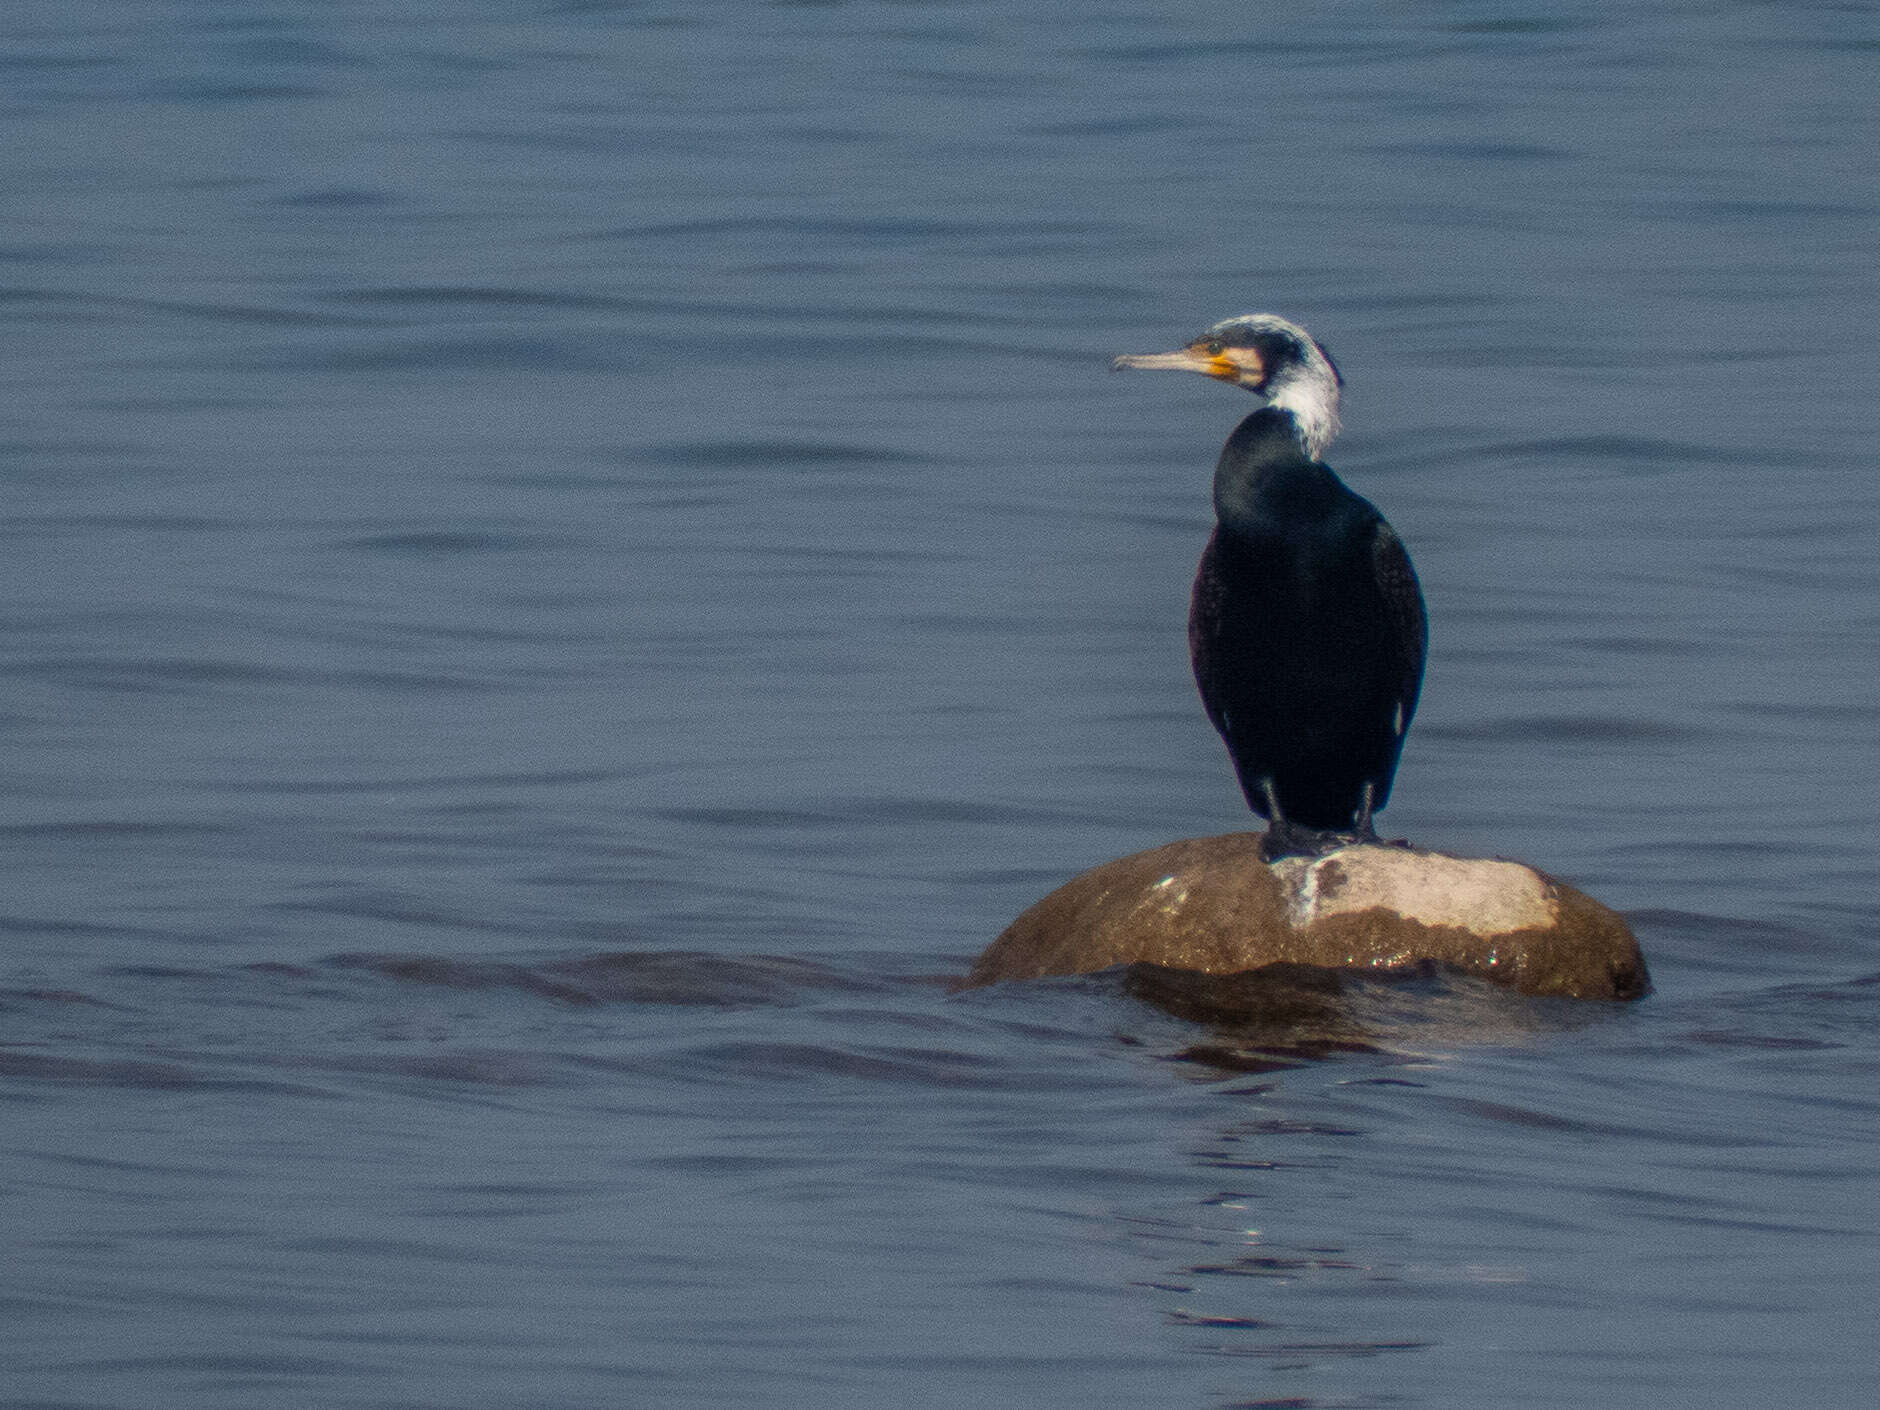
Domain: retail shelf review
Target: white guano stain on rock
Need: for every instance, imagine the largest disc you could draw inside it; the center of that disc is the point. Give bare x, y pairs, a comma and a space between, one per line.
1485, 897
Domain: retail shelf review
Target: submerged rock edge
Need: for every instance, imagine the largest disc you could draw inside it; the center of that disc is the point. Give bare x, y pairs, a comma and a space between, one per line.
1212, 904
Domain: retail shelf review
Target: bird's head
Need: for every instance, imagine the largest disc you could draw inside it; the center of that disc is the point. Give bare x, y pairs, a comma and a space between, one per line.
1268, 356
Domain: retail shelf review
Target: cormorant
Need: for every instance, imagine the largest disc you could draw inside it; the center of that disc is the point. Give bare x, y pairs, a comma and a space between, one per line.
1306, 628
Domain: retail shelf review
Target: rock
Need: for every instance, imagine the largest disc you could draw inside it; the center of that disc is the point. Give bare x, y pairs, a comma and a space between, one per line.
1213, 905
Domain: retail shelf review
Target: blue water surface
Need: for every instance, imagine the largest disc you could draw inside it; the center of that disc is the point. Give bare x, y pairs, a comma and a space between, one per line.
568, 565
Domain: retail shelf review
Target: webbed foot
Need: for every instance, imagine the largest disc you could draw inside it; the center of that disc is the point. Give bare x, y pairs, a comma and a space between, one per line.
1285, 838
1290, 839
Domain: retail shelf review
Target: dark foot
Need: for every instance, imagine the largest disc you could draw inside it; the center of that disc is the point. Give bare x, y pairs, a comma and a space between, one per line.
1285, 838
1290, 839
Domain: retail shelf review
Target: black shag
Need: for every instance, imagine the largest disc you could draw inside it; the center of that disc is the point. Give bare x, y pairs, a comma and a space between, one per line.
1306, 629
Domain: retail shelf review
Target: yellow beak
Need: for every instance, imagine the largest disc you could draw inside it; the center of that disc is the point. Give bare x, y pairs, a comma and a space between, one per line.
1223, 365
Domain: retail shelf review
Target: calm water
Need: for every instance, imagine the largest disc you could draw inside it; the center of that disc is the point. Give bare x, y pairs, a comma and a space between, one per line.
567, 565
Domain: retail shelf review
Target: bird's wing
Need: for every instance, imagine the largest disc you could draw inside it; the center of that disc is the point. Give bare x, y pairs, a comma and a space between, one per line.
1403, 599
1204, 614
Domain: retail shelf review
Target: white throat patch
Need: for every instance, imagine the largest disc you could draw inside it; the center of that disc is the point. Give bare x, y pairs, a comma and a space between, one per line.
1310, 393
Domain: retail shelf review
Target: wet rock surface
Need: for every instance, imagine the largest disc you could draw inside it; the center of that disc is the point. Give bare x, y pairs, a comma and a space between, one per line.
1213, 905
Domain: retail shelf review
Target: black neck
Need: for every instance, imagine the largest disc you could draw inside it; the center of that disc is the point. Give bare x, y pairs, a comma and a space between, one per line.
1264, 458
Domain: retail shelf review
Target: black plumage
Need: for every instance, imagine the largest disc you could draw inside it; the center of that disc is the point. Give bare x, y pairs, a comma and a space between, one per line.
1307, 628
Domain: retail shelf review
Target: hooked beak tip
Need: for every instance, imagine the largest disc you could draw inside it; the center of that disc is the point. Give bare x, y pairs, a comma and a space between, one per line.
1149, 360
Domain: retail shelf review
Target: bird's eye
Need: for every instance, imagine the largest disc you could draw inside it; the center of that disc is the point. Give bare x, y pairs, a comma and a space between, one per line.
1215, 349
